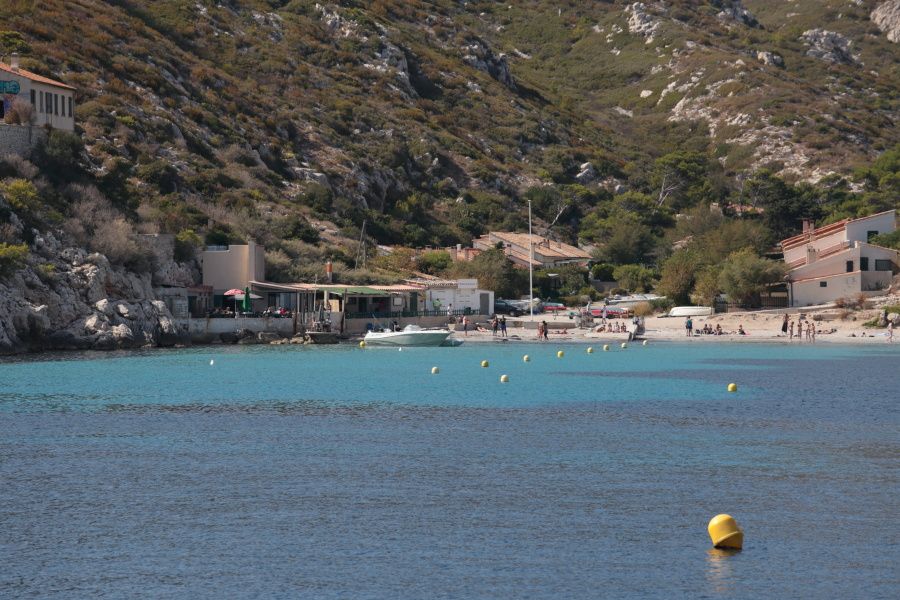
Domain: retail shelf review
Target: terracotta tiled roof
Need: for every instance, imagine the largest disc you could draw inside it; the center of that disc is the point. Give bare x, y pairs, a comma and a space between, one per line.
543, 247
34, 77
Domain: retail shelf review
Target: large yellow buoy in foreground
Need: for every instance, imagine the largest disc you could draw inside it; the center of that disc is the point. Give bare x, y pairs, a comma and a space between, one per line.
362, 344
504, 379
732, 387
526, 358
725, 532
485, 364
435, 370
560, 354
606, 347
590, 350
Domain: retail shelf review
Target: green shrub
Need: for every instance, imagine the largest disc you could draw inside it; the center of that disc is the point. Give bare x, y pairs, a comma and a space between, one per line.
186, 243
12, 258
21, 195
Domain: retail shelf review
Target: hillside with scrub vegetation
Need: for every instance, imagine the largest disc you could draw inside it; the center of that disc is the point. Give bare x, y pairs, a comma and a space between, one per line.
312, 126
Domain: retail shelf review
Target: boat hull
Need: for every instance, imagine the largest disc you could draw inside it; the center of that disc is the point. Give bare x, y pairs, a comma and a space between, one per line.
407, 338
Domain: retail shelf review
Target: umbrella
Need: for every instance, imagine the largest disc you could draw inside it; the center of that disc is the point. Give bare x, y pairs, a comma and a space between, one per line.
233, 292
252, 296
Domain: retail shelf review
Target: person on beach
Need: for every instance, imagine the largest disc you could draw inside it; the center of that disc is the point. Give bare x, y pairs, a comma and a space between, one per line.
540, 331
689, 327
544, 323
503, 326
784, 325
791, 330
741, 329
890, 332
465, 321
495, 324
809, 327
812, 332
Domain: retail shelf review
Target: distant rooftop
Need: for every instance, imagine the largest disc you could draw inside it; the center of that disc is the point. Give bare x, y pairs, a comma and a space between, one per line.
34, 76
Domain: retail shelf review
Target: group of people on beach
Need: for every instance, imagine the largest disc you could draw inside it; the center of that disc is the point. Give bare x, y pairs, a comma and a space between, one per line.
803, 327
611, 327
497, 324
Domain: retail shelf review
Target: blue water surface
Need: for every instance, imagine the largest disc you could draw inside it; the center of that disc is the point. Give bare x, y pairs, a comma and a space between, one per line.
338, 472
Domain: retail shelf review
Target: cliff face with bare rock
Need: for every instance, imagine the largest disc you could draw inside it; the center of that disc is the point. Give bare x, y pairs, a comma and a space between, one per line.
887, 17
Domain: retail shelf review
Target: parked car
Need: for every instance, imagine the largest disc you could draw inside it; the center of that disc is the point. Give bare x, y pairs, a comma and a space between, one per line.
505, 307
612, 312
554, 307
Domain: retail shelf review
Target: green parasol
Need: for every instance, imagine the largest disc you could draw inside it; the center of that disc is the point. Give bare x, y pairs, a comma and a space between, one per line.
246, 304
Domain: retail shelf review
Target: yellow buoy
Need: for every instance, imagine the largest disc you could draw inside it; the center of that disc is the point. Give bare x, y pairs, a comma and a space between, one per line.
485, 364
504, 379
362, 344
624, 345
590, 350
644, 343
606, 347
725, 532
526, 358
732, 387
560, 354
435, 370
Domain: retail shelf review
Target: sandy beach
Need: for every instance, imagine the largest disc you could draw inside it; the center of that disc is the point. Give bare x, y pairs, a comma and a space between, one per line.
833, 325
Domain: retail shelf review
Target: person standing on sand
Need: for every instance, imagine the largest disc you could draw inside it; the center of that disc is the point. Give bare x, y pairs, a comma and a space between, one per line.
465, 322
791, 331
503, 326
544, 328
784, 325
812, 332
689, 327
890, 332
540, 329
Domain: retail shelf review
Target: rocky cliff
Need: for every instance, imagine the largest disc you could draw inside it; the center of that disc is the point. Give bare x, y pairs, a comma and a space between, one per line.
65, 298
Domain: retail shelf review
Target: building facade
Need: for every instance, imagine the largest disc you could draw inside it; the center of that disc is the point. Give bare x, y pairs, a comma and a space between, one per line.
52, 102
837, 261
232, 267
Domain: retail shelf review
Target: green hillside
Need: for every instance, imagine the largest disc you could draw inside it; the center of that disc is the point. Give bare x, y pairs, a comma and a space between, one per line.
294, 123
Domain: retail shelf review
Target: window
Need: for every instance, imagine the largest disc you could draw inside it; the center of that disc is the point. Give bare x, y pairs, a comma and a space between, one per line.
863, 263
33, 98
849, 266
870, 235
41, 102
823, 284
70, 106
883, 265
55, 104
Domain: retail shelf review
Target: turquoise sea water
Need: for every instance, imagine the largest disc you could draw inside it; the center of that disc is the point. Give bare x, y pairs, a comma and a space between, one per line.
336, 472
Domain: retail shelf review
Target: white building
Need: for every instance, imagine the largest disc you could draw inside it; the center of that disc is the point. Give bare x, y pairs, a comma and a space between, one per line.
52, 102
837, 261
462, 296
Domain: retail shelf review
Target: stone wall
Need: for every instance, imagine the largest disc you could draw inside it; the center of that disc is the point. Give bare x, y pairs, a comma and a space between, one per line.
19, 139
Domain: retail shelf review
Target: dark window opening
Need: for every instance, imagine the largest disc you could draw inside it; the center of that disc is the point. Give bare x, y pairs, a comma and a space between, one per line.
883, 265
823, 284
849, 266
41, 102
33, 99
70, 106
863, 263
870, 235
55, 104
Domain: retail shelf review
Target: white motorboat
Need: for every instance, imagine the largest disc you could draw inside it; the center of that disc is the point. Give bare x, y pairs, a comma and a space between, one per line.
411, 335
691, 311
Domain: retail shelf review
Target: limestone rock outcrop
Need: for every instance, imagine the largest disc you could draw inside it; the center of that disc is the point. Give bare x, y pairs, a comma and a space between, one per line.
828, 46
479, 55
770, 58
82, 302
887, 17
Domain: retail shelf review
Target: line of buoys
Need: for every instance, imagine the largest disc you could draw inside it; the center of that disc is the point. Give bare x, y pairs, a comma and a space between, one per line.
560, 354
732, 387
606, 347
435, 370
485, 364
526, 358
725, 532
590, 350
504, 379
